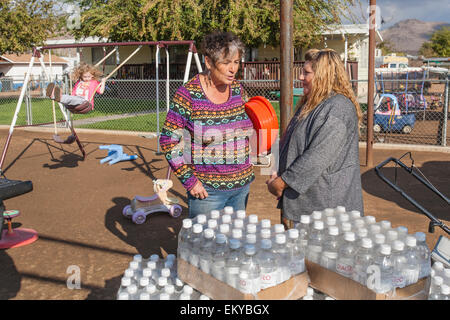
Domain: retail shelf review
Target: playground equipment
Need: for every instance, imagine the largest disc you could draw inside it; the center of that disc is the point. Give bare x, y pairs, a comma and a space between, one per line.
12, 238
142, 206
116, 154
389, 117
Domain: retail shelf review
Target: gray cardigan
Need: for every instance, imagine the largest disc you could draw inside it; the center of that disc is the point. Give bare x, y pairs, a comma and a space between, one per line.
319, 160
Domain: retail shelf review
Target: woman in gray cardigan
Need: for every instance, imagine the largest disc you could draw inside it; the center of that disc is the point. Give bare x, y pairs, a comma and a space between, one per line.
319, 157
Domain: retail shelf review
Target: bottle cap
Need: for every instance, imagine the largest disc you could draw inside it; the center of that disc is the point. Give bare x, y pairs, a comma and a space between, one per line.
147, 272
203, 297
236, 233
154, 257
132, 288
178, 282
349, 236
171, 257
134, 265
402, 230
188, 289
151, 264
280, 238
187, 223
344, 217
126, 281
309, 291
306, 219
144, 296
251, 228
169, 289
318, 225
238, 223
339, 209
185, 296
226, 218
250, 249
362, 232
129, 273
411, 241
234, 243
208, 233
150, 288
293, 233
197, 228
265, 233
266, 244
333, 231
445, 289
346, 226
212, 223
214, 214
328, 212
228, 210
224, 227
359, 223
201, 218
385, 249
144, 281
392, 235
438, 280
124, 296
398, 245
162, 281
278, 228
221, 238
164, 296
316, 215
374, 228
165, 272
250, 238
385, 224
379, 238
369, 219
137, 257
420, 236
447, 272
355, 214
240, 214
366, 243
253, 218
331, 221
439, 266
265, 223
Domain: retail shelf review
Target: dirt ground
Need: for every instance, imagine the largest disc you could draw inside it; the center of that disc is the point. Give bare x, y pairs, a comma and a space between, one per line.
76, 207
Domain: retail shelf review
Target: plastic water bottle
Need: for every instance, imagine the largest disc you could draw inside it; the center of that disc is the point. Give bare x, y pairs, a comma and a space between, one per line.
346, 255
399, 261
343, 218
355, 214
277, 229
316, 215
385, 226
251, 228
237, 234
165, 272
212, 224
265, 224
143, 283
265, 234
214, 214
252, 219
238, 224
438, 268
226, 219
304, 229
137, 274
241, 214
339, 210
129, 273
162, 282
151, 290
330, 250
194, 244
402, 233
183, 240
374, 229
164, 296
200, 219
330, 221
206, 250
315, 242
233, 263
132, 292
358, 224
296, 252
170, 290
178, 285
369, 220
224, 228
391, 236
328, 212
184, 296
221, 251
412, 266
124, 283
445, 292
268, 264
345, 227
424, 255
123, 296
363, 259
361, 233
383, 261
155, 271
435, 287
378, 240
446, 276
250, 238
250, 272
280, 250
228, 210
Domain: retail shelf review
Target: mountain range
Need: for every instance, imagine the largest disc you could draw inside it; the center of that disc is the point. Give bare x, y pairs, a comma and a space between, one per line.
408, 35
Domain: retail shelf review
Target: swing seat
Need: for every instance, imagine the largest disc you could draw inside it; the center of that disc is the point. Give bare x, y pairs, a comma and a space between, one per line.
83, 108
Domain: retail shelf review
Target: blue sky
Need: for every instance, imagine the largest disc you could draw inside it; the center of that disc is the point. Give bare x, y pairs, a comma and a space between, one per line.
393, 11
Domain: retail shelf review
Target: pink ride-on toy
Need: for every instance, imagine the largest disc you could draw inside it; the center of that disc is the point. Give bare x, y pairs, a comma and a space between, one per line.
140, 207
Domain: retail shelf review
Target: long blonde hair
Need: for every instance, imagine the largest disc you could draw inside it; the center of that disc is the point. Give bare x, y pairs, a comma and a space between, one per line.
329, 76
83, 68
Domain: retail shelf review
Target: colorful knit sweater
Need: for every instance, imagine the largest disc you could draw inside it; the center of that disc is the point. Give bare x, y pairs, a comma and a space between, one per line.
216, 138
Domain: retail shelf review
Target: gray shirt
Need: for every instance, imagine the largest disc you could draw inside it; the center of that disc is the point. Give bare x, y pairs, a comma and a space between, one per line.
319, 160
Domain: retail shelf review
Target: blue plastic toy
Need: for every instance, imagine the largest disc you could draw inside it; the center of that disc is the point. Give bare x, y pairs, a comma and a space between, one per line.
115, 154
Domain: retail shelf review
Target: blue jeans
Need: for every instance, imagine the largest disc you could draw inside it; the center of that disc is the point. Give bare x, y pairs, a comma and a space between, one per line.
217, 200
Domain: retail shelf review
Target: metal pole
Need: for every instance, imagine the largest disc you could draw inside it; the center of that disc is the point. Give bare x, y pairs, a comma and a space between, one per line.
286, 64
444, 131
157, 97
370, 89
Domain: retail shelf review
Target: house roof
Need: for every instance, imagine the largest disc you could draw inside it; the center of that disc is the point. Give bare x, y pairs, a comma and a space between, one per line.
350, 29
25, 59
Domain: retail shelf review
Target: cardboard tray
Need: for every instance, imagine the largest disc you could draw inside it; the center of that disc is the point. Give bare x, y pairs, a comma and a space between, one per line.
343, 288
292, 289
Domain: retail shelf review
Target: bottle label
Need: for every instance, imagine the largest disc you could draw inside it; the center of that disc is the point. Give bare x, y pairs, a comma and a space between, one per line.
398, 281
205, 265
268, 279
251, 286
297, 266
344, 268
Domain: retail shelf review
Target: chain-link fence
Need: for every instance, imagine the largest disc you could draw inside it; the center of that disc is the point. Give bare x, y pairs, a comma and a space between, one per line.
406, 111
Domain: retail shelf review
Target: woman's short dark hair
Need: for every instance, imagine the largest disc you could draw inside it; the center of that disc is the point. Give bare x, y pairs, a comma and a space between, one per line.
219, 45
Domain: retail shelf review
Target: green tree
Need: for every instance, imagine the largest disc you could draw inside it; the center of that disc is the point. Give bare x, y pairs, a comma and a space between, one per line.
254, 21
26, 23
440, 42
426, 50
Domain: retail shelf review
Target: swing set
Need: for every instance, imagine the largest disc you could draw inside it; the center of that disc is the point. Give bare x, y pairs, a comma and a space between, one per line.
88, 106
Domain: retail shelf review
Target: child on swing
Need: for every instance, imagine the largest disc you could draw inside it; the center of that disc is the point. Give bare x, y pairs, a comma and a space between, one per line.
86, 85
